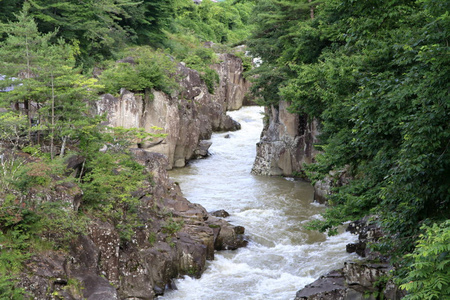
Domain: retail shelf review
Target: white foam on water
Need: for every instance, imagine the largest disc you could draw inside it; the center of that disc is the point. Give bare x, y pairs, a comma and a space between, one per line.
281, 257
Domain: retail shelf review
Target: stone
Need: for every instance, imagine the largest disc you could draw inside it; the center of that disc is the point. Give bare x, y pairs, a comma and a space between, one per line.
286, 143
227, 236
202, 149
101, 265
357, 280
332, 286
367, 231
233, 87
363, 275
143, 266
98, 288
220, 213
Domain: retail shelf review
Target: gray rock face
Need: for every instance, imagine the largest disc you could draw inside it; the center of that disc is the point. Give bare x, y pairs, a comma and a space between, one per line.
322, 188
175, 239
356, 281
286, 142
186, 117
220, 213
233, 87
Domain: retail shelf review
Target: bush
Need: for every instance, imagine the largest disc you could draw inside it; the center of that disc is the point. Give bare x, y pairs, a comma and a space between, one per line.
33, 174
200, 59
149, 69
429, 273
108, 187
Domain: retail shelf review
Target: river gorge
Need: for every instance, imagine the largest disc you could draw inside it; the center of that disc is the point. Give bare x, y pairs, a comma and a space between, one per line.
281, 257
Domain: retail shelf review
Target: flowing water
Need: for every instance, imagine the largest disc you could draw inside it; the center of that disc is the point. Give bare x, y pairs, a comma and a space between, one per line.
281, 257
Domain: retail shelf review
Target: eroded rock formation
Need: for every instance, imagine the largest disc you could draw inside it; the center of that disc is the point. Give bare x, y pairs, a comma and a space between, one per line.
286, 142
176, 238
233, 87
356, 281
188, 116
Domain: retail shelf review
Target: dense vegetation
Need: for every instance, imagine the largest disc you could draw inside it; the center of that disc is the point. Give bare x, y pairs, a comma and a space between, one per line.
376, 75
49, 51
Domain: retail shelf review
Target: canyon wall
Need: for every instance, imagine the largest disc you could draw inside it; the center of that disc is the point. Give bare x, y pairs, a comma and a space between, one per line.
175, 239
186, 117
286, 142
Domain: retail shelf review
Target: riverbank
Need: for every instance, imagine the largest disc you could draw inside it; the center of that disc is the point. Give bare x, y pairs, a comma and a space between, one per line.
281, 256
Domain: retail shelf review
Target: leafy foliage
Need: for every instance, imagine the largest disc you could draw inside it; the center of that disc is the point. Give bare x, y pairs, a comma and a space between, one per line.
280, 40
226, 22
429, 276
147, 69
48, 48
108, 187
12, 128
200, 59
375, 74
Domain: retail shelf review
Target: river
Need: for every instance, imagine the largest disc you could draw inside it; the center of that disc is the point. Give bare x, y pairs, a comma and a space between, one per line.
281, 257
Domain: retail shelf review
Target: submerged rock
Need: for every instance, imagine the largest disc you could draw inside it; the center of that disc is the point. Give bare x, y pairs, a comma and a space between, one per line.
220, 213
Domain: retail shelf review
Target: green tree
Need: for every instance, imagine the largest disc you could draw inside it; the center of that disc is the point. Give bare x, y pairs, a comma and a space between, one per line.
21, 58
284, 35
148, 20
375, 73
148, 70
94, 25
47, 77
66, 92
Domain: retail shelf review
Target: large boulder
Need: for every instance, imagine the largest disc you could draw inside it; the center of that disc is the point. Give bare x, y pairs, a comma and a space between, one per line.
359, 279
356, 281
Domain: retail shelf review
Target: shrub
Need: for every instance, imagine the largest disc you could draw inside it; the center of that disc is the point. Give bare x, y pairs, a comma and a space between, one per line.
150, 69
429, 273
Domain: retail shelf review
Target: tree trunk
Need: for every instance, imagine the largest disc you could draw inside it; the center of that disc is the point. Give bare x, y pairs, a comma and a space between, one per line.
63, 145
311, 10
52, 138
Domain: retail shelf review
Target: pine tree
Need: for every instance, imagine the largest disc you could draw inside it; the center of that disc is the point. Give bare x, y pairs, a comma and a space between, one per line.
21, 58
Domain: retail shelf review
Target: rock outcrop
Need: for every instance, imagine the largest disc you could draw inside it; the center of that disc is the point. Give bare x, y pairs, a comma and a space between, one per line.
233, 87
175, 239
186, 117
322, 188
357, 280
286, 142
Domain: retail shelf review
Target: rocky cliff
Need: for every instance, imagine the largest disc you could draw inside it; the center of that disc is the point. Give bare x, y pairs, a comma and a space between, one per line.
233, 88
188, 116
176, 238
286, 142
